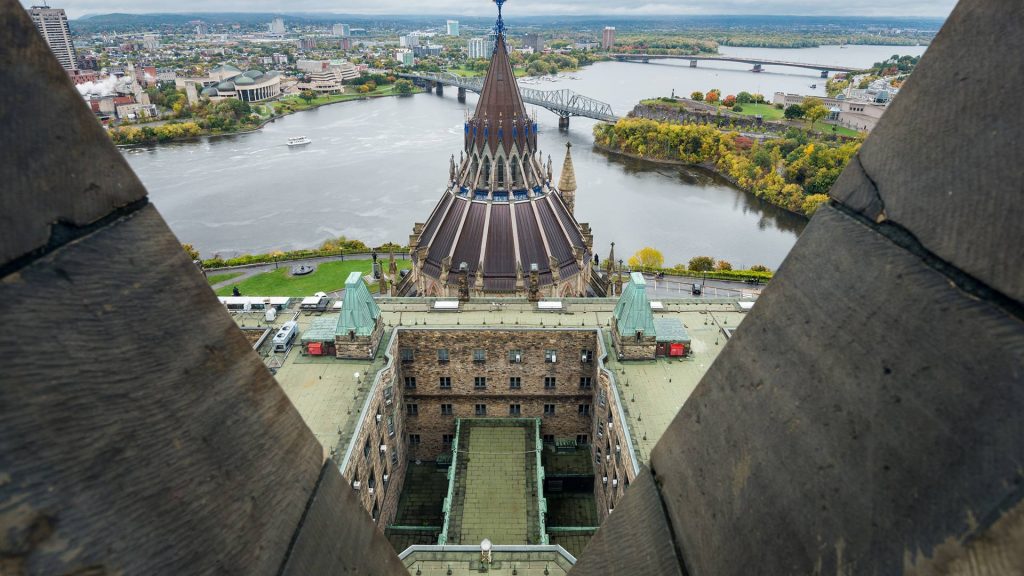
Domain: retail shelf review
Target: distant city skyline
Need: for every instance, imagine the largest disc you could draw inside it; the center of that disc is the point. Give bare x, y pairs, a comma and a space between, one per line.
469, 8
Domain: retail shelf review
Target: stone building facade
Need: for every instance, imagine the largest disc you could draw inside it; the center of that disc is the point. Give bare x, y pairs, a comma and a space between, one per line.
483, 372
376, 461
614, 467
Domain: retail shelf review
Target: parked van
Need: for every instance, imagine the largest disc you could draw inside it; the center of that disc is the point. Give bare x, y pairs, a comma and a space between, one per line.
285, 334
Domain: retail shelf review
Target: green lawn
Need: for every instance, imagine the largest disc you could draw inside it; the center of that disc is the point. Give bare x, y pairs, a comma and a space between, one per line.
826, 129
766, 111
351, 93
218, 278
329, 276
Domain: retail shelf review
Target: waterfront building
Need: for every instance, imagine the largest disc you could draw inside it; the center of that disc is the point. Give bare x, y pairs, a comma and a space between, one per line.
501, 228
52, 24
608, 38
276, 26
341, 30
227, 81
861, 110
453, 27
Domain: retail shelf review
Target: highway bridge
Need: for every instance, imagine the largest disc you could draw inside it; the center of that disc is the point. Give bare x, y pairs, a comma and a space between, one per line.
565, 103
757, 63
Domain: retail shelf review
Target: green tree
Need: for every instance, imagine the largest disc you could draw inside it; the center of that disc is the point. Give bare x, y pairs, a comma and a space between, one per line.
793, 111
403, 86
811, 102
744, 98
723, 265
307, 95
815, 113
647, 257
701, 264
697, 95
759, 268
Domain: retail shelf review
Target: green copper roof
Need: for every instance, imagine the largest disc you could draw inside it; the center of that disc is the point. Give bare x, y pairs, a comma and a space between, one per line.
633, 310
320, 330
359, 313
671, 330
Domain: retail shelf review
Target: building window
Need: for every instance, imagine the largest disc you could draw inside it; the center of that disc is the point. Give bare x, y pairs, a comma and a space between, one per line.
447, 439
391, 425
581, 439
481, 409
410, 381
515, 356
412, 409
515, 382
442, 355
387, 395
514, 409
394, 457
479, 355
584, 409
549, 438
366, 449
551, 356
407, 354
480, 382
585, 382
549, 382
587, 356
549, 409
601, 398
446, 381
414, 439
376, 512
446, 409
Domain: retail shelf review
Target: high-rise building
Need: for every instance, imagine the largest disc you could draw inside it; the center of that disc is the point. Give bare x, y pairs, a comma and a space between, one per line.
202, 29
608, 38
532, 40
409, 41
52, 23
277, 26
405, 57
453, 27
341, 30
150, 42
477, 48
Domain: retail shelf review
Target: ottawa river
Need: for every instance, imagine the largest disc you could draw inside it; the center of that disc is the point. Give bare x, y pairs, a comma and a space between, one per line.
375, 167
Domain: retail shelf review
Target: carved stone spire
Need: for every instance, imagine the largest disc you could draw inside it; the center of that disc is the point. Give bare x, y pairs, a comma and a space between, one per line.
567, 183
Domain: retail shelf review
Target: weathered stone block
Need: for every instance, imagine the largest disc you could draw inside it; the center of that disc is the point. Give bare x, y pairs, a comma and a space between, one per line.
141, 434
852, 427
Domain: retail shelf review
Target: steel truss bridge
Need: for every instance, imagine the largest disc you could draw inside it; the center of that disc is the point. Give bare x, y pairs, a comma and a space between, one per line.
565, 103
758, 63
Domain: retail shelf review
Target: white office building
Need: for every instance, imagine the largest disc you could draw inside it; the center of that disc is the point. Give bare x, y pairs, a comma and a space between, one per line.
342, 30
277, 26
453, 27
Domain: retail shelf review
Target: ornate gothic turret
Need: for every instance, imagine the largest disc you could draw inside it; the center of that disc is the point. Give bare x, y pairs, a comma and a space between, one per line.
500, 214
567, 183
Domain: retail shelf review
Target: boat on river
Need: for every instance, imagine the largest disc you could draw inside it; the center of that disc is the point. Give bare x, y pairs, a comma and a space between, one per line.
298, 141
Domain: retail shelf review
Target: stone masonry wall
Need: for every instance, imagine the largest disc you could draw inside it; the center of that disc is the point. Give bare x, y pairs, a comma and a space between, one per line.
612, 459
361, 346
382, 425
428, 396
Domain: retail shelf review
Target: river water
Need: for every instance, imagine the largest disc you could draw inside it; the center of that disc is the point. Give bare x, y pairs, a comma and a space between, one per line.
376, 167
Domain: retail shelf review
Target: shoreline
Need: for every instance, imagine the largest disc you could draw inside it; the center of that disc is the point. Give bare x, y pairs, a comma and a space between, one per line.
259, 126
707, 167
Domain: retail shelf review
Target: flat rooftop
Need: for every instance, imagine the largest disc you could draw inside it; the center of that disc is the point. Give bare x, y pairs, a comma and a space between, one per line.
494, 493
328, 395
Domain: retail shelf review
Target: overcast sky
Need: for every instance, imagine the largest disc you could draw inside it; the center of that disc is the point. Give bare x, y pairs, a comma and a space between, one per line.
455, 8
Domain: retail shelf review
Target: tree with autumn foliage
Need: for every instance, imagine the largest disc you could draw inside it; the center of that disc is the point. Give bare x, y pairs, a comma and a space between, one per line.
713, 95
647, 257
729, 101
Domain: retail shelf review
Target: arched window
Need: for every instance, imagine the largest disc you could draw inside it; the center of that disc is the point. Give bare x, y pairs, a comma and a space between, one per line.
501, 174
487, 171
